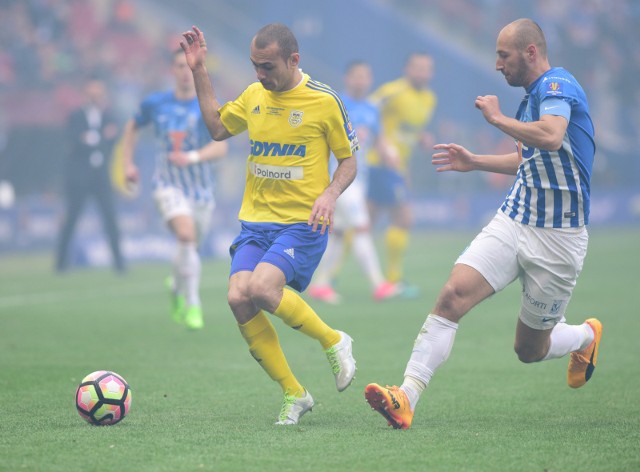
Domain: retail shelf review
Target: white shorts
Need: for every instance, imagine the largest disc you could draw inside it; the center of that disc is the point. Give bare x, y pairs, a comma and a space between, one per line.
546, 260
351, 208
172, 202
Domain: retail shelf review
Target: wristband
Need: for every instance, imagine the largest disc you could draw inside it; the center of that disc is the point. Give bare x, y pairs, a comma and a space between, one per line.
193, 156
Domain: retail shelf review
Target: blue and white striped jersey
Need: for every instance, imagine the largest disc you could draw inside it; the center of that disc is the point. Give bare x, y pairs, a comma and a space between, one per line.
178, 126
552, 188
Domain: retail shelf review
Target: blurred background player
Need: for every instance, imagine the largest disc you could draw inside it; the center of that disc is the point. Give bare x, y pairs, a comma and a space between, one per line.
538, 235
91, 135
352, 213
294, 123
406, 105
183, 180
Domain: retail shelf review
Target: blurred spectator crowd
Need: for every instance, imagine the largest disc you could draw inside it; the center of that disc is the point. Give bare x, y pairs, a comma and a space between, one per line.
50, 46
598, 41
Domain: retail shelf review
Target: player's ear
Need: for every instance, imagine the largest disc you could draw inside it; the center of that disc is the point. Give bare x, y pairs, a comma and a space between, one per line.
531, 51
294, 59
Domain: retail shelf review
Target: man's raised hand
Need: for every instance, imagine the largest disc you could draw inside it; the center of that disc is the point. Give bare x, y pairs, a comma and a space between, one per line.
194, 47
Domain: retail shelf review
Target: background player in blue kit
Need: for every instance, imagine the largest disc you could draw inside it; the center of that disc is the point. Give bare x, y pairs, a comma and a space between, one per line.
538, 235
293, 123
183, 180
352, 213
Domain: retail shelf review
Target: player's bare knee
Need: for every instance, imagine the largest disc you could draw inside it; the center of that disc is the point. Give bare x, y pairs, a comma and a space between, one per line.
236, 297
449, 301
185, 236
263, 294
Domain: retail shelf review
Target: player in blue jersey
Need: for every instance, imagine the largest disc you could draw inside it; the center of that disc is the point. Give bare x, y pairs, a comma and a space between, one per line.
352, 213
537, 236
183, 180
294, 124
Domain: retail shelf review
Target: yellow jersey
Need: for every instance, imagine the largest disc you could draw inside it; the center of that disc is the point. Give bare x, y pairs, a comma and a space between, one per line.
405, 112
292, 135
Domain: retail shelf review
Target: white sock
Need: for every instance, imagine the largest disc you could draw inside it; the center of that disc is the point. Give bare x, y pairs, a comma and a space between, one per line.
413, 388
176, 280
568, 338
330, 259
188, 272
365, 253
430, 350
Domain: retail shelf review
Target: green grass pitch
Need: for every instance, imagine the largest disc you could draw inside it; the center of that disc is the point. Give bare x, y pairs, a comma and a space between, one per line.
202, 403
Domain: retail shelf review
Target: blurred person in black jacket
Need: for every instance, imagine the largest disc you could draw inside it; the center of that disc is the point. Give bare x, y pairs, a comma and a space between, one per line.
91, 135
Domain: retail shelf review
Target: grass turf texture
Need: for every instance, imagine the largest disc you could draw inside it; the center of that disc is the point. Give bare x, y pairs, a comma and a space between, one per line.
200, 402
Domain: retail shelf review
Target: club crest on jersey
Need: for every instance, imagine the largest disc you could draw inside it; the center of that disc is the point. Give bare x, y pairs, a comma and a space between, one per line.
295, 118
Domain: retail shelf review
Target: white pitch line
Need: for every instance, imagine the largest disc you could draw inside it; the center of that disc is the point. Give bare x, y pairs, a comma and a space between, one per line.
40, 298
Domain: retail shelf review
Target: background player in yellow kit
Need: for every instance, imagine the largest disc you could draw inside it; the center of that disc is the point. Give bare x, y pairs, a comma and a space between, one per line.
352, 213
293, 123
406, 106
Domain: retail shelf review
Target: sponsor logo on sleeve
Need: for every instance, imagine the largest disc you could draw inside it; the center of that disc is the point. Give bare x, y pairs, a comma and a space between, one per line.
352, 136
554, 88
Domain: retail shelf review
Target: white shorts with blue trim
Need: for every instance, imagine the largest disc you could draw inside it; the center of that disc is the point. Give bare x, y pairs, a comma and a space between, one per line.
547, 261
172, 202
351, 208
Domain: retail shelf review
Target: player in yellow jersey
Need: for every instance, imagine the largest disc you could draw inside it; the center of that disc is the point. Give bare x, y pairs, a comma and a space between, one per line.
406, 105
293, 123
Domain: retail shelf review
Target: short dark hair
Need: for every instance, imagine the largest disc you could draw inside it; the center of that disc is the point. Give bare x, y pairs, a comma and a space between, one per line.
281, 35
413, 54
355, 63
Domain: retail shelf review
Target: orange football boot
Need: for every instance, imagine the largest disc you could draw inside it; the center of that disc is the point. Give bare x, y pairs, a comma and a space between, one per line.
583, 363
390, 402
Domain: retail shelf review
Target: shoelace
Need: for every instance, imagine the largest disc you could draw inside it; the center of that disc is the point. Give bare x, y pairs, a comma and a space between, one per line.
581, 358
579, 361
332, 355
287, 404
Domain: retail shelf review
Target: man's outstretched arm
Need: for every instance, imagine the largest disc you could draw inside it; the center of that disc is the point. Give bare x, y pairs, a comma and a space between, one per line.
195, 50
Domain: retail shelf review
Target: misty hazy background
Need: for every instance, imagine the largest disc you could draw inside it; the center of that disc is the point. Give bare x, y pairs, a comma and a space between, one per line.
48, 47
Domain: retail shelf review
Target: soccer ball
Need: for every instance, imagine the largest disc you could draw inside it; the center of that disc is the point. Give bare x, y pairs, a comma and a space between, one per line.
103, 398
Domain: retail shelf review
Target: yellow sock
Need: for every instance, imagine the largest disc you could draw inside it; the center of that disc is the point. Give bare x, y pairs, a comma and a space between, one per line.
295, 312
265, 348
397, 240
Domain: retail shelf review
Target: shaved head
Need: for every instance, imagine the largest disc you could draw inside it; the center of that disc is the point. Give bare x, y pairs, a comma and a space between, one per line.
521, 52
525, 32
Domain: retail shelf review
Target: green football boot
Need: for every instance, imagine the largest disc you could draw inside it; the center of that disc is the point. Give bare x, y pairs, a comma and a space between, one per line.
193, 317
177, 302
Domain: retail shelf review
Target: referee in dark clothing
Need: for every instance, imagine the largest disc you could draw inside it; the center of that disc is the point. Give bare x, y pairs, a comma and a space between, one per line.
91, 134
